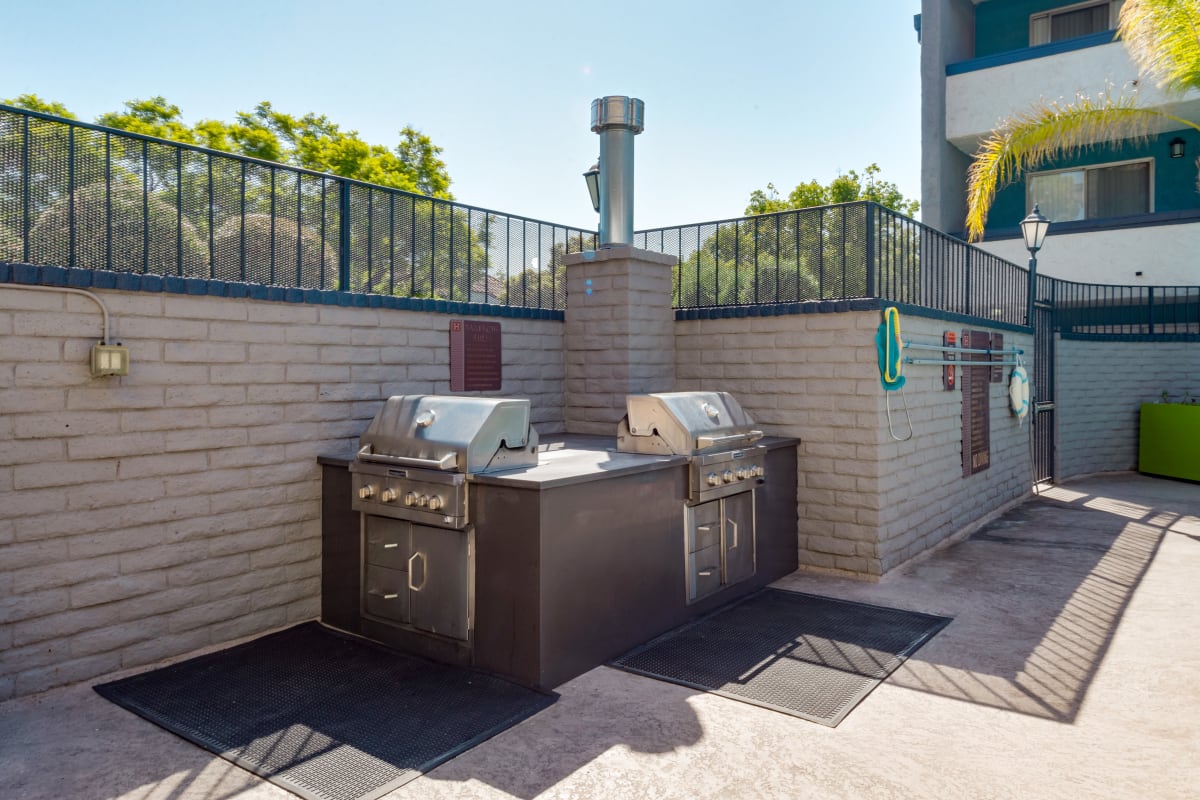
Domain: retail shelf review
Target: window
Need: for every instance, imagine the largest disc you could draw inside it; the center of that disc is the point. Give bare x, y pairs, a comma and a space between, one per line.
1109, 190
1069, 22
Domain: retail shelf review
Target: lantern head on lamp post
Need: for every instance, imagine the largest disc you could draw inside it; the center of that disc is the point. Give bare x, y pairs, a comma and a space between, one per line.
1033, 228
592, 176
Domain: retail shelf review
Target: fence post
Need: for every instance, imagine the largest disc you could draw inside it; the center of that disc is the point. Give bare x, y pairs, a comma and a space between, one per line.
344, 236
1150, 310
967, 282
871, 287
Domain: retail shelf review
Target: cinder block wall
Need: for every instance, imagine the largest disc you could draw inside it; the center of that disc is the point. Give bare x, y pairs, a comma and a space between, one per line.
866, 502
1100, 388
147, 516
923, 494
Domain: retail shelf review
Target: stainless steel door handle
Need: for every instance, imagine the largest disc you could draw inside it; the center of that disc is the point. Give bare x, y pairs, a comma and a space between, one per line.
424, 576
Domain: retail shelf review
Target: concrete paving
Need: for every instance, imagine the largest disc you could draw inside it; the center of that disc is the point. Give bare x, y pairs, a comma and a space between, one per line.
1071, 669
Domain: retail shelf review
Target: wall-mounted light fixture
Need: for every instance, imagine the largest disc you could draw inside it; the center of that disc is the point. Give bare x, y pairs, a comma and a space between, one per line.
1177, 144
592, 176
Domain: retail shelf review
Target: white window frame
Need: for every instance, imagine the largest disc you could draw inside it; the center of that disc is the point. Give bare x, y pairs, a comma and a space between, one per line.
1029, 202
1039, 23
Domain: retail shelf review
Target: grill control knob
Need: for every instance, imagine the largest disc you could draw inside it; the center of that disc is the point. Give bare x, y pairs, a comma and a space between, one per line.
713, 479
388, 495
727, 475
410, 499
366, 492
423, 501
435, 502
741, 473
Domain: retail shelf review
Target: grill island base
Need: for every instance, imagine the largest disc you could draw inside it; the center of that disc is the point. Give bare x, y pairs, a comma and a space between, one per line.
576, 559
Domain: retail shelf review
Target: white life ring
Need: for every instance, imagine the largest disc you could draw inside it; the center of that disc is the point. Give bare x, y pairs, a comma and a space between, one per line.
1018, 392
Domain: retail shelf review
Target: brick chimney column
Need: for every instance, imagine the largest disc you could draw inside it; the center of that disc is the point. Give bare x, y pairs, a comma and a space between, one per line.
619, 337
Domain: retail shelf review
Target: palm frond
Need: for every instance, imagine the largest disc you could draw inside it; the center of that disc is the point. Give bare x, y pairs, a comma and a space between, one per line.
1048, 130
1163, 38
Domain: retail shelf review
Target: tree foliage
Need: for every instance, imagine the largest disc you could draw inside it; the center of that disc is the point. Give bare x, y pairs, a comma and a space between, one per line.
1162, 37
847, 187
311, 141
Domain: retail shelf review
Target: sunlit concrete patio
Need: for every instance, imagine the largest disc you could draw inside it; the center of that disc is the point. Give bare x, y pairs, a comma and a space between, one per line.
1071, 669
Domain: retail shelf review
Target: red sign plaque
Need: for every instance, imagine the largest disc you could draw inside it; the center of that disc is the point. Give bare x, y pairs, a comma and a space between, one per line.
474, 356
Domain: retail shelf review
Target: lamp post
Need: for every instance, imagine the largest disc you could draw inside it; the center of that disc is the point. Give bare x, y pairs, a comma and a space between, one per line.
1033, 228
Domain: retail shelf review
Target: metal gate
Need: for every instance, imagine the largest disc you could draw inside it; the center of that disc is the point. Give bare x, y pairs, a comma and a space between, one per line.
1043, 382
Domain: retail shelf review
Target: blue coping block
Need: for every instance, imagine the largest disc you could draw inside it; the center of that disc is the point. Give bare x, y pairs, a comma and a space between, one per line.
741, 311
329, 297
217, 288
25, 273
374, 301
441, 306
257, 292
152, 283
128, 282
5, 272
174, 285
276, 294
237, 290
54, 276
692, 314
104, 280
312, 296
754, 311
79, 277
387, 300
294, 295
196, 286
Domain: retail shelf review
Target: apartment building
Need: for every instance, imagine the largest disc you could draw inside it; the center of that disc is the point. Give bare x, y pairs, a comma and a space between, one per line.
1123, 211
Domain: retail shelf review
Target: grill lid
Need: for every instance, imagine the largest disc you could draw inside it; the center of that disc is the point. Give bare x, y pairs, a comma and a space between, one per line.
684, 423
448, 433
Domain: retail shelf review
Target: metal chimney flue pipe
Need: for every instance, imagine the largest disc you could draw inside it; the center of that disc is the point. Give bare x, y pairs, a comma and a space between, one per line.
617, 119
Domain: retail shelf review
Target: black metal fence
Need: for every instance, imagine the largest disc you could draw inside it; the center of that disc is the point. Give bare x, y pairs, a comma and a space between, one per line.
80, 195
864, 250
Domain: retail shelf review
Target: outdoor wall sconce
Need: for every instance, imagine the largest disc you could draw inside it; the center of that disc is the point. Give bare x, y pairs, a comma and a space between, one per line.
1177, 145
1033, 229
592, 176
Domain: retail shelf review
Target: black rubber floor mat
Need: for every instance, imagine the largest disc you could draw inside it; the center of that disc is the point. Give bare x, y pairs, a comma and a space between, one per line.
808, 656
326, 716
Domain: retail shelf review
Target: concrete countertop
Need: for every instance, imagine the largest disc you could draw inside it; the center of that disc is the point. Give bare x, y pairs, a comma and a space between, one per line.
565, 459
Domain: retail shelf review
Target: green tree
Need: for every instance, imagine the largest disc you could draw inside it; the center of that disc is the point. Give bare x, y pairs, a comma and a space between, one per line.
847, 187
1163, 39
31, 102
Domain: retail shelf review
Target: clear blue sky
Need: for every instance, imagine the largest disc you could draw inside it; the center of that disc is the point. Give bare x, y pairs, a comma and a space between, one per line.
736, 94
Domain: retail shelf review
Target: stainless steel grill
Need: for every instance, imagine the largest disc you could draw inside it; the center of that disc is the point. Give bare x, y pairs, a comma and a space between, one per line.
410, 485
725, 465
711, 427
415, 456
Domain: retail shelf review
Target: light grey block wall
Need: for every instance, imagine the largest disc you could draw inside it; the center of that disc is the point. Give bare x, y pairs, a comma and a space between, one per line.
811, 376
866, 502
147, 516
924, 496
1100, 387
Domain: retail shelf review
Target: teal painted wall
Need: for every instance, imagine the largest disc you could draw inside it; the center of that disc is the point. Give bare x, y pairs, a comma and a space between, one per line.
1174, 178
1003, 25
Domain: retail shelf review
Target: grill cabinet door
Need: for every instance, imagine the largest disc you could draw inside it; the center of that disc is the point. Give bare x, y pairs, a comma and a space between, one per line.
738, 514
439, 581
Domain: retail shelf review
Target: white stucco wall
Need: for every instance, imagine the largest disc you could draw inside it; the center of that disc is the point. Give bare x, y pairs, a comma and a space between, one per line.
977, 101
1166, 255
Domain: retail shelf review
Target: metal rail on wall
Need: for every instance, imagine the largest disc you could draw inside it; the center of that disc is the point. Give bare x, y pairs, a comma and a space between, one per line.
947, 348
